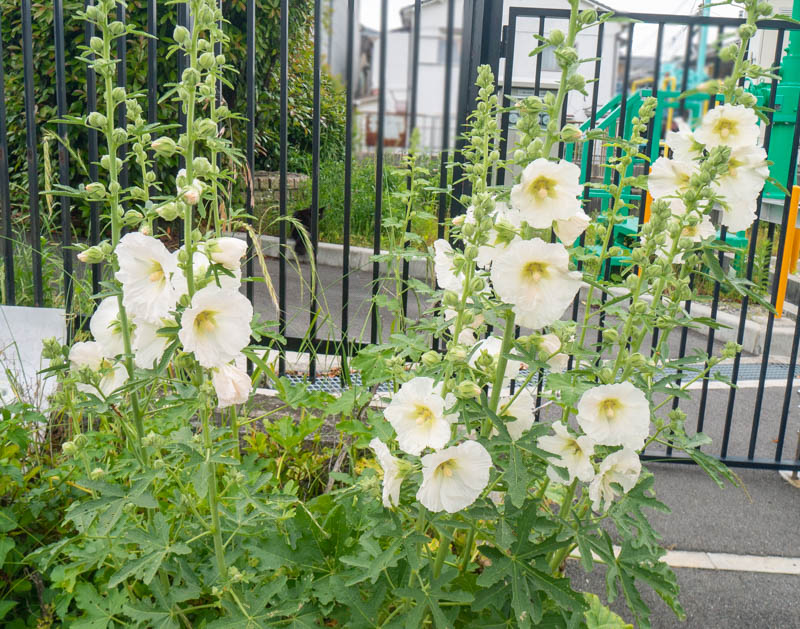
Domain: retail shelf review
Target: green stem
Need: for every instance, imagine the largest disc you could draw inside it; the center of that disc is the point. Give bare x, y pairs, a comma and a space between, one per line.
467, 552
211, 476
499, 375
441, 554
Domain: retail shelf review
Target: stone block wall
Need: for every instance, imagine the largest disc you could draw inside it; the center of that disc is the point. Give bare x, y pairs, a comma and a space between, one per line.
267, 188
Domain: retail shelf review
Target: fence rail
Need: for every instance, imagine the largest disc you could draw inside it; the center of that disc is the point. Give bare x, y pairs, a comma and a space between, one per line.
485, 40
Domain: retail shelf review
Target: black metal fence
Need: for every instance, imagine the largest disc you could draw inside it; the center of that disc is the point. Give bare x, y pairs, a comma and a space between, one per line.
746, 427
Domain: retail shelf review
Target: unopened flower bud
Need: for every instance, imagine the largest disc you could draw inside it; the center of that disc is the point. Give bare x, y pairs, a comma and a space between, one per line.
571, 133
746, 31
97, 473
457, 353
205, 127
96, 120
566, 56
69, 448
610, 335
731, 349
120, 135
92, 255
118, 94
116, 28
164, 146
168, 211
607, 375
556, 37
95, 190
431, 358
201, 166
95, 43
181, 34
765, 9
468, 390
588, 16
748, 100
207, 60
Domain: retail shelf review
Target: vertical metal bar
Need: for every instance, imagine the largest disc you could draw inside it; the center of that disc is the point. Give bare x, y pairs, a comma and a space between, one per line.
376, 236
32, 155
5, 188
790, 377
91, 105
508, 78
412, 124
315, 130
348, 173
250, 72
63, 155
776, 280
122, 81
283, 167
183, 20
152, 61
750, 259
590, 150
448, 80
537, 81
443, 200
686, 63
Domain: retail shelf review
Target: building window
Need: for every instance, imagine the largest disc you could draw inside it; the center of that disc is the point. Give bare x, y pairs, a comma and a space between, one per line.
548, 60
442, 50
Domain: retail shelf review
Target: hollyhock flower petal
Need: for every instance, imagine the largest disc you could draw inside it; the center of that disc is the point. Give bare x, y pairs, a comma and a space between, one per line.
739, 213
148, 346
549, 345
496, 243
105, 327
622, 467
547, 191
145, 268
684, 145
492, 346
216, 327
467, 334
534, 277
233, 385
615, 414
453, 478
669, 177
735, 126
747, 172
569, 230
201, 276
226, 251
572, 453
92, 355
521, 409
446, 275
392, 478
417, 414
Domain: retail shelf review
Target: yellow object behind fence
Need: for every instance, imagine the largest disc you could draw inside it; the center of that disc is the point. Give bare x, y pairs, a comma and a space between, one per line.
789, 260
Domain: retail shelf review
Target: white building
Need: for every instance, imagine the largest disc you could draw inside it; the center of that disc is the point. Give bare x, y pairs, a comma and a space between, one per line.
431, 73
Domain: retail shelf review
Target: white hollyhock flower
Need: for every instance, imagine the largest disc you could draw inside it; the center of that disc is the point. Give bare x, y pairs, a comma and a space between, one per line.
573, 454
492, 346
534, 277
739, 213
392, 476
569, 230
145, 268
453, 478
216, 327
684, 145
446, 275
549, 345
621, 467
735, 126
233, 385
202, 278
747, 172
417, 414
105, 327
669, 177
547, 191
226, 251
615, 414
521, 409
92, 355
148, 346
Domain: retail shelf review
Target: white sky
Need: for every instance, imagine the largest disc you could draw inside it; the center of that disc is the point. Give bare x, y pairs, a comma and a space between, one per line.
371, 9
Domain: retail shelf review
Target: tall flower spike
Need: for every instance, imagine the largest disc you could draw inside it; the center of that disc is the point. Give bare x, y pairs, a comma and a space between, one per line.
534, 277
216, 327
453, 478
417, 414
615, 414
145, 269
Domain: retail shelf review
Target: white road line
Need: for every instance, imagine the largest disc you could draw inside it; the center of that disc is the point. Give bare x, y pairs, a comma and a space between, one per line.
700, 560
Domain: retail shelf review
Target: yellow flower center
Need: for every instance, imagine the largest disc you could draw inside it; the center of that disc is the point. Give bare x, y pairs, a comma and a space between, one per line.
691, 231
446, 467
423, 413
542, 187
725, 127
610, 407
534, 271
204, 321
156, 272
